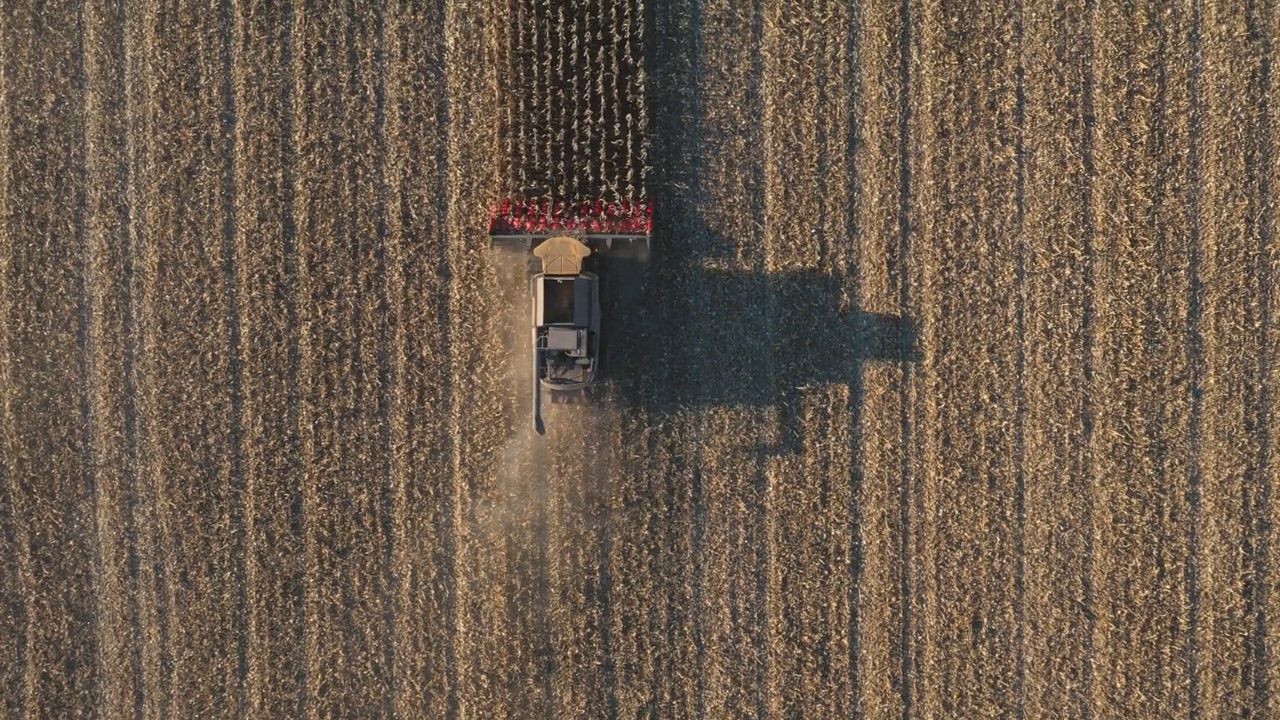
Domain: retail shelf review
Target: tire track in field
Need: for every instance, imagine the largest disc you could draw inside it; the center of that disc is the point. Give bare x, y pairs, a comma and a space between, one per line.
1264, 24
150, 569
236, 482
15, 632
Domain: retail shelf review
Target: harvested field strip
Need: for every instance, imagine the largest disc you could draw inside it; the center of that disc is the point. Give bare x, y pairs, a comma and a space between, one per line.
111, 346
423, 540
881, 541
268, 297
808, 277
339, 269
948, 391
187, 366
1057, 235
490, 658
1231, 320
967, 242
48, 452
1143, 399
731, 257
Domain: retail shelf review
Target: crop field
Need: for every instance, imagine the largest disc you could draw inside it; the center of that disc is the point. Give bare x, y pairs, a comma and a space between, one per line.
949, 389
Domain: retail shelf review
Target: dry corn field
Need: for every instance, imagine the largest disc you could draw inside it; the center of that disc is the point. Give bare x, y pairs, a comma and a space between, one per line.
948, 390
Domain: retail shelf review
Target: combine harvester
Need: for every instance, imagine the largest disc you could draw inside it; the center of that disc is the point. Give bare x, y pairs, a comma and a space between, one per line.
576, 161
566, 288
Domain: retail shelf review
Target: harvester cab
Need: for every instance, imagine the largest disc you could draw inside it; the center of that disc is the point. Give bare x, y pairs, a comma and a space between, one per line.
566, 285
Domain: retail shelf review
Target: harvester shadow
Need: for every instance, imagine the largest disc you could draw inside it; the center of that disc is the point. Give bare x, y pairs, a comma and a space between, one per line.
684, 331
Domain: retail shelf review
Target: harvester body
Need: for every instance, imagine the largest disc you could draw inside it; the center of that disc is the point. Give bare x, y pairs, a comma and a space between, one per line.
566, 321
565, 290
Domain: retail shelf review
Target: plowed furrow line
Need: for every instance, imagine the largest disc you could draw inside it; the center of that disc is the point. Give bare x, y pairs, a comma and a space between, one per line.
1056, 227
267, 268
47, 444
111, 339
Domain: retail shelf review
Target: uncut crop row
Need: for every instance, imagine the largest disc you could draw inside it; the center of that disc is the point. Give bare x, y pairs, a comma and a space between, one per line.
572, 101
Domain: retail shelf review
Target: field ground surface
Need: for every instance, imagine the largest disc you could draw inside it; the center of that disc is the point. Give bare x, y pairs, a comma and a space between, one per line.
949, 389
